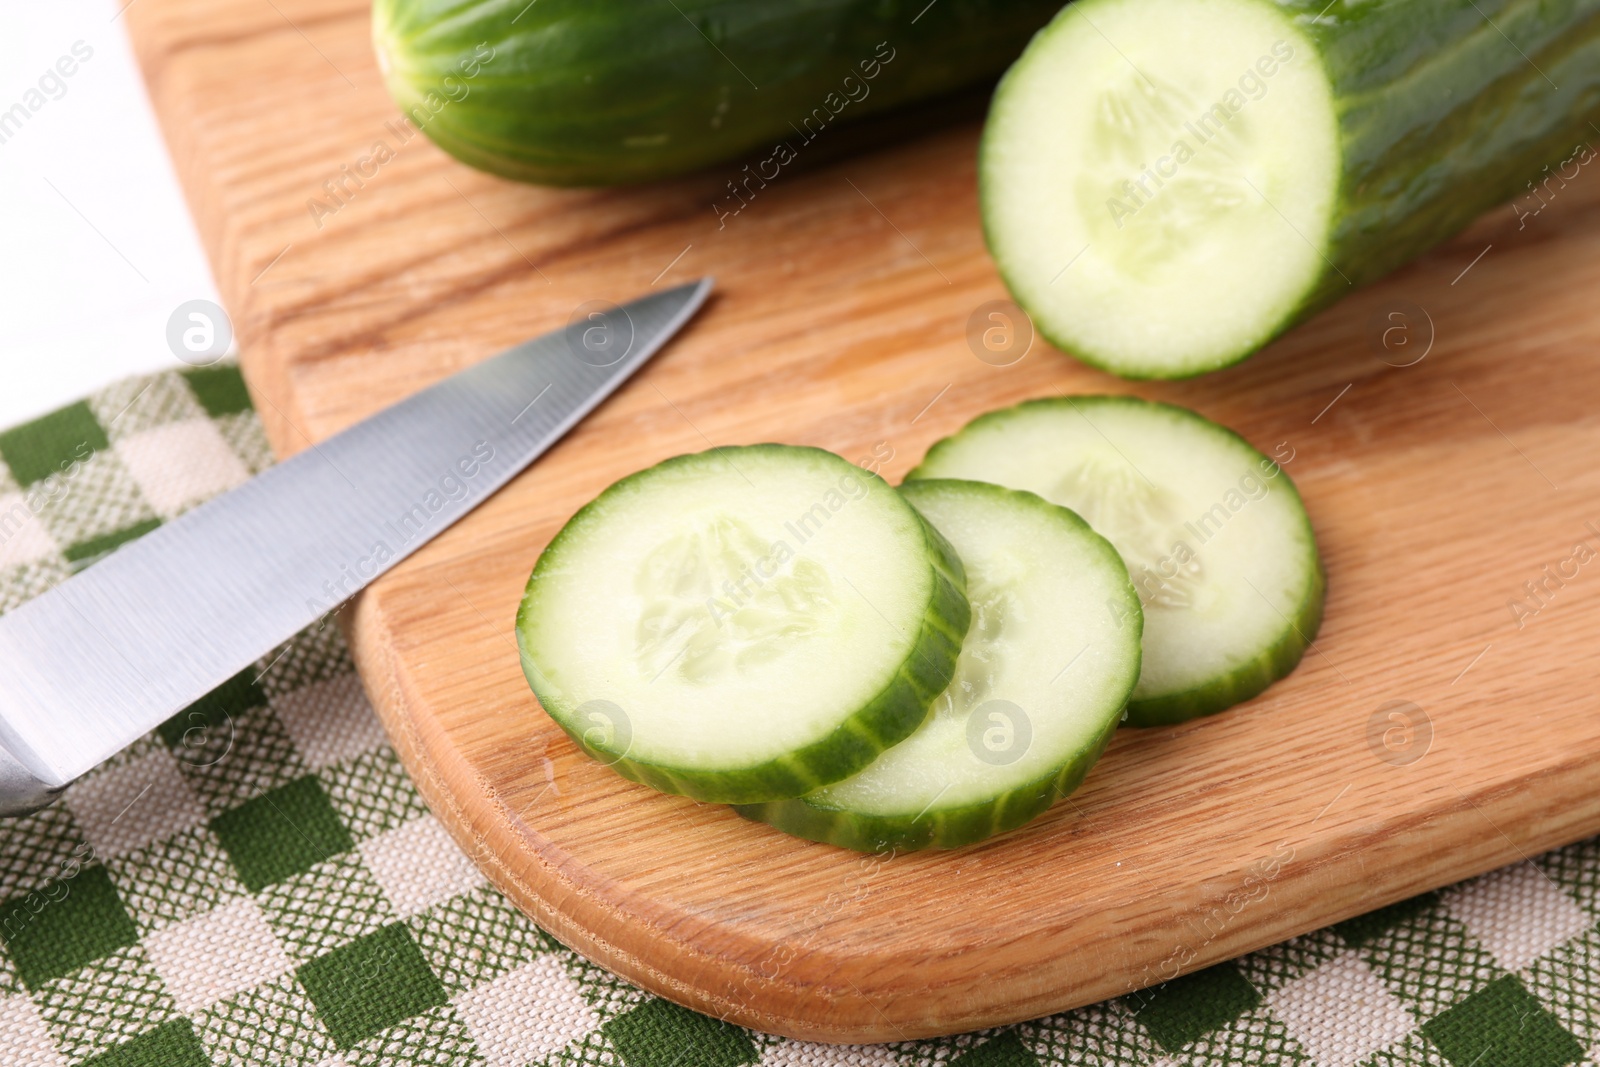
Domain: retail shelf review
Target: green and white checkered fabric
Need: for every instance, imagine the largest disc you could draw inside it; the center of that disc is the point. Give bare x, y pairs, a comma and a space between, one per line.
257, 882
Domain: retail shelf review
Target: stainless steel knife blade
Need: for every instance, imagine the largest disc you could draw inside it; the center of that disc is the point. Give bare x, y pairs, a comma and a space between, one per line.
111, 653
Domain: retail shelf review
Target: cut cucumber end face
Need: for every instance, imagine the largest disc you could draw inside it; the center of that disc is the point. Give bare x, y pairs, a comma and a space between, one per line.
1044, 674
745, 624
1214, 534
1159, 179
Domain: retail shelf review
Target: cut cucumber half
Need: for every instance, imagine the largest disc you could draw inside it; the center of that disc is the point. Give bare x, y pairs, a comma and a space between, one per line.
1166, 185
1043, 678
744, 624
1214, 534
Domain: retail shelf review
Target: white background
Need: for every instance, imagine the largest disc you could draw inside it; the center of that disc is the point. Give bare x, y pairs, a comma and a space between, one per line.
91, 269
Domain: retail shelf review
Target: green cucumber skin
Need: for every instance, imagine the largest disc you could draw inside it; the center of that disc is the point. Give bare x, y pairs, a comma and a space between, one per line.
890, 717
1245, 681
585, 93
1475, 124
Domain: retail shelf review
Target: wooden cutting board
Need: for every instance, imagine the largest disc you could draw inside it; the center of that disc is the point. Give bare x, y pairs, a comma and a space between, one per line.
844, 294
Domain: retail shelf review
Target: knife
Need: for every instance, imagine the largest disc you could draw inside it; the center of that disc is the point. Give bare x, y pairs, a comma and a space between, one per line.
106, 656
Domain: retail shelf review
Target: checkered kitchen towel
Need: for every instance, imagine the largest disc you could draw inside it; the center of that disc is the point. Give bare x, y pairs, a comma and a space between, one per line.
257, 882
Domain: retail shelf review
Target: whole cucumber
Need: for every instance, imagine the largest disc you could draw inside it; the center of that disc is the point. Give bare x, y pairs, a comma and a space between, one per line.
1167, 185
578, 92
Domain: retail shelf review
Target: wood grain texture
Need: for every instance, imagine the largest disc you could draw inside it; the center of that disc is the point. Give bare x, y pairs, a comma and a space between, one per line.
1437, 490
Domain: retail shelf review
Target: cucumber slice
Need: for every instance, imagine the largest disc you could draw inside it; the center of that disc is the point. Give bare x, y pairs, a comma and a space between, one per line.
1168, 184
744, 624
1042, 681
1214, 535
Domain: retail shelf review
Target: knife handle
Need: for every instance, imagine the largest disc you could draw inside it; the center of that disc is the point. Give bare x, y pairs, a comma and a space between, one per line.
21, 792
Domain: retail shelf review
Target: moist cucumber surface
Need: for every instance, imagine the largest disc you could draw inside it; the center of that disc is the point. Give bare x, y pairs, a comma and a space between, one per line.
744, 624
1043, 677
1168, 184
577, 92
1214, 534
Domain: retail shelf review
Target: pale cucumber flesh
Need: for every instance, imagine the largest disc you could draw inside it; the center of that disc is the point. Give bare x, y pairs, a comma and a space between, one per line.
1158, 178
